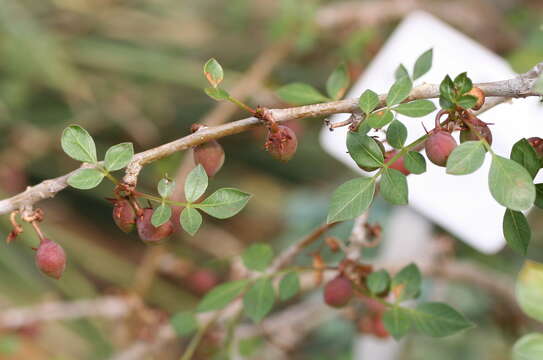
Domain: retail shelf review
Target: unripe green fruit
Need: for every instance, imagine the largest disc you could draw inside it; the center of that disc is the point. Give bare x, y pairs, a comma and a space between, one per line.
210, 155
398, 164
148, 232
282, 143
338, 292
439, 146
124, 215
51, 258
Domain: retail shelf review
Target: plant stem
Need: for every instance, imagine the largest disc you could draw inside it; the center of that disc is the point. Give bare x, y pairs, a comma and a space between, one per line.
241, 104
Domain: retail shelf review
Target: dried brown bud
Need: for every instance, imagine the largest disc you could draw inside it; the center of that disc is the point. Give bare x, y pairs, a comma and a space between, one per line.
333, 243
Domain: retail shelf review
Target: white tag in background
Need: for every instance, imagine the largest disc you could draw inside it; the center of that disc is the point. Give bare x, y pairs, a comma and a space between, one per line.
463, 204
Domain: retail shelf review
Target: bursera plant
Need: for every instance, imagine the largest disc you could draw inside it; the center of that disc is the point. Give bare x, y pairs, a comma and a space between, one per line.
269, 278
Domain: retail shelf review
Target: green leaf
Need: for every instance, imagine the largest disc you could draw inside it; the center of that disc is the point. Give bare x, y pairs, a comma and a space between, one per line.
510, 184
248, 346
161, 215
380, 119
191, 220
118, 156
396, 134
224, 203
78, 144
524, 154
222, 295
289, 286
300, 94
85, 179
397, 321
447, 97
529, 347
539, 195
378, 282
165, 187
351, 199
414, 162
184, 323
516, 231
406, 284
257, 257
463, 83
399, 91
466, 158
438, 319
400, 72
368, 101
258, 301
416, 108
337, 83
196, 183
423, 64
364, 150
467, 101
530, 289
217, 93
394, 187
213, 72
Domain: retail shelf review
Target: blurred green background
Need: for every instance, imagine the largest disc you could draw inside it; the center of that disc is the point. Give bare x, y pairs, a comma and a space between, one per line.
131, 71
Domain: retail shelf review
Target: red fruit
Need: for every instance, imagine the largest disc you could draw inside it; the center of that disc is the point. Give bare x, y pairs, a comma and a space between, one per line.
282, 143
379, 327
338, 292
480, 95
201, 281
124, 215
148, 232
51, 259
482, 128
439, 146
537, 144
398, 164
210, 155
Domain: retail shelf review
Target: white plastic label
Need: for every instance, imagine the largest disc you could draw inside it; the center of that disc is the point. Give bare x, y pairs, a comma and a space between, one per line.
461, 204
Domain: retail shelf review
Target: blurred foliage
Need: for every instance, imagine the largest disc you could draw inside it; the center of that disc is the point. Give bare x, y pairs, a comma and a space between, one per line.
131, 71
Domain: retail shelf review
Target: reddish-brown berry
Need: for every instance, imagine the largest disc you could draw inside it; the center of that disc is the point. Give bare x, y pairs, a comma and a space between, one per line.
148, 232
537, 144
282, 143
124, 215
470, 135
398, 164
201, 281
338, 292
439, 146
51, 259
480, 95
210, 155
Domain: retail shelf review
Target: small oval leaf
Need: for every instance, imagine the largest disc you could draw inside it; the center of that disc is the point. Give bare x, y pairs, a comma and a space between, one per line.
190, 220
511, 184
118, 156
351, 199
78, 144
85, 179
300, 94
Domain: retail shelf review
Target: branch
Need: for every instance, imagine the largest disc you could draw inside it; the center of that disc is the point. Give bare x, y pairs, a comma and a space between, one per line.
518, 87
113, 307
